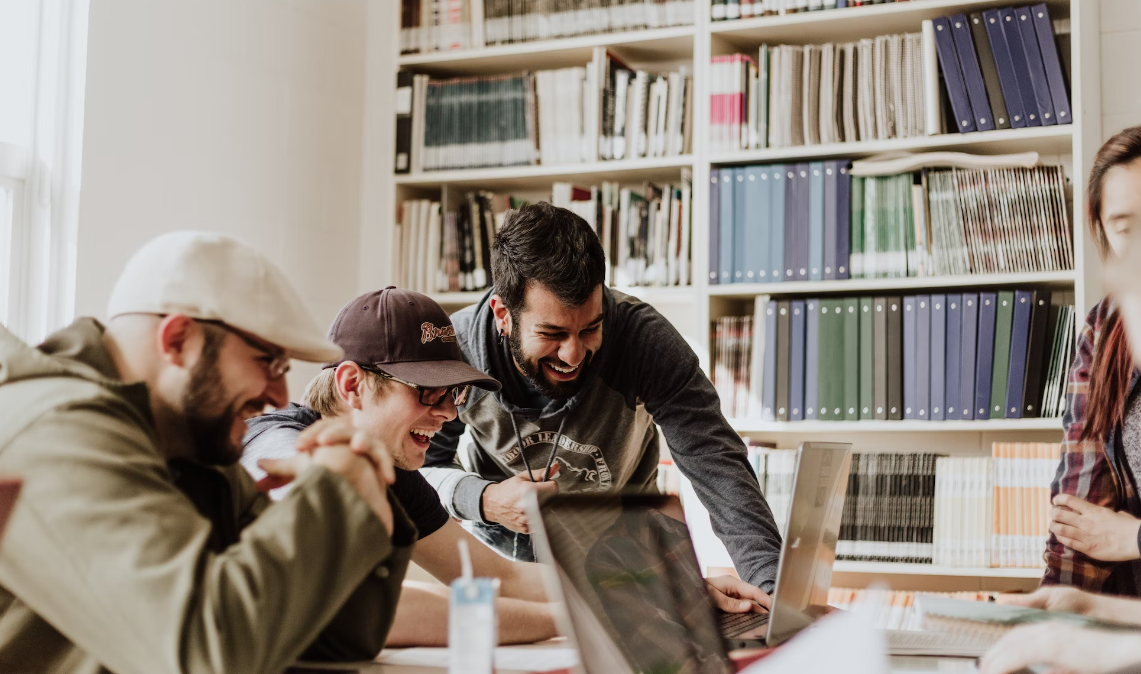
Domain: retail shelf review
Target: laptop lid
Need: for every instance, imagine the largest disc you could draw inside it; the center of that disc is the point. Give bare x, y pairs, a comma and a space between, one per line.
625, 568
804, 574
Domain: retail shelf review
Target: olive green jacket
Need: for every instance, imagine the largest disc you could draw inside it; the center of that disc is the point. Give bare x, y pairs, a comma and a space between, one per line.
107, 566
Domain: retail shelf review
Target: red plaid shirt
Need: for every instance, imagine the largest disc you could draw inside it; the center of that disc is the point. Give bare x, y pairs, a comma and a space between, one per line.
1088, 471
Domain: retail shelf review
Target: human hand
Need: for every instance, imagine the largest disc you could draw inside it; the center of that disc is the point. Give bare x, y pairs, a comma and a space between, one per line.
1093, 530
355, 469
503, 501
734, 595
1063, 648
333, 432
1054, 598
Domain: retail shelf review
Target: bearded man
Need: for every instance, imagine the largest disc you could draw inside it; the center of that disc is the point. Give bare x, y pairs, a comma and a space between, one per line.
588, 374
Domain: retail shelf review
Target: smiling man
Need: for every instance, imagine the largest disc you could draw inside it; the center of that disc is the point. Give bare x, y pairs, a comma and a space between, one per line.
588, 375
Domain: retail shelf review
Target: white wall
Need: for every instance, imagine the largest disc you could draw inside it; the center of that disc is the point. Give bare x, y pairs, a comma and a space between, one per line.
1120, 93
239, 116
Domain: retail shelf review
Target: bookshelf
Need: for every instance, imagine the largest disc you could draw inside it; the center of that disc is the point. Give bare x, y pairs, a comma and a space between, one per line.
693, 308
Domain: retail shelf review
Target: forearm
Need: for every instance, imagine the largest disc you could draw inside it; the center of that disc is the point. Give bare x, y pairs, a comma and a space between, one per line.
422, 618
460, 491
524, 580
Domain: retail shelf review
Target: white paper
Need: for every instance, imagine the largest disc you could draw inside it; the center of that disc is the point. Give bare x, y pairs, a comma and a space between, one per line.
522, 658
840, 642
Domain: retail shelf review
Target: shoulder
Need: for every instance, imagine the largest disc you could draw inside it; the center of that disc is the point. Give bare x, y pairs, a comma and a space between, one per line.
294, 417
635, 325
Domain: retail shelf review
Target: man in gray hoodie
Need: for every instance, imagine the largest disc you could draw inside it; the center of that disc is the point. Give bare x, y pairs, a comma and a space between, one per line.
588, 375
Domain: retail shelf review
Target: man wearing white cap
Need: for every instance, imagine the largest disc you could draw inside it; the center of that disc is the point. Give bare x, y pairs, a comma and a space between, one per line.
139, 545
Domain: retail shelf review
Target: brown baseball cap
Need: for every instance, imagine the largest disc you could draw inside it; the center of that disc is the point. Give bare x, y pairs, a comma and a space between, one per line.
407, 335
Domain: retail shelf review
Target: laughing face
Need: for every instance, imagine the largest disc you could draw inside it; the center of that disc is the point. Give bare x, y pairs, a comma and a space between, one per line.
552, 344
395, 415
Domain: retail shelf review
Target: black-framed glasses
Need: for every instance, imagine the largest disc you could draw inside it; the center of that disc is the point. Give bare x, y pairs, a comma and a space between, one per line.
429, 396
275, 364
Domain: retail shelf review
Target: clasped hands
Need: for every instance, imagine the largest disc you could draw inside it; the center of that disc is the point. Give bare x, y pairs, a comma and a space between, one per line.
362, 459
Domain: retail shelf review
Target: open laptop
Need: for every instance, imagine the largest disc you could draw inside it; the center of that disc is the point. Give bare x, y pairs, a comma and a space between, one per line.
625, 568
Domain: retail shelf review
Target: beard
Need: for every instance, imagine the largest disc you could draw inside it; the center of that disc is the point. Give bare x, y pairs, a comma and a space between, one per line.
209, 433
533, 369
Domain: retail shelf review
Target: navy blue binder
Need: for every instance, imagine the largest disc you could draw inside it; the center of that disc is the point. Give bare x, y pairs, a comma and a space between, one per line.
796, 364
972, 73
954, 357
938, 356
1037, 67
843, 220
728, 219
1048, 47
984, 353
791, 230
714, 224
776, 223
968, 341
740, 218
812, 356
831, 177
923, 357
1019, 341
802, 224
816, 221
910, 376
953, 76
756, 225
769, 386
1021, 68
1006, 77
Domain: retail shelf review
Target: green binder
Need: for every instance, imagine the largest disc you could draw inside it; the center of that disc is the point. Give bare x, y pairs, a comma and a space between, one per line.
856, 243
867, 381
826, 333
851, 314
1003, 319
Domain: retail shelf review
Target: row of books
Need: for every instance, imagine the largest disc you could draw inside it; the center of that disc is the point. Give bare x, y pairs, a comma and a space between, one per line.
646, 235
794, 95
610, 111
448, 25
602, 111
746, 9
448, 250
1001, 68
893, 609
994, 511
814, 222
889, 509
920, 508
969, 356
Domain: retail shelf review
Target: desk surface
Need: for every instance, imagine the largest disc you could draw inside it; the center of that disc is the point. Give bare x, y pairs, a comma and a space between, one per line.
910, 664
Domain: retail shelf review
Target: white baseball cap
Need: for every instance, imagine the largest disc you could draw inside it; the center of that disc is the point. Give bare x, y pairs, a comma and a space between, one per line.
215, 278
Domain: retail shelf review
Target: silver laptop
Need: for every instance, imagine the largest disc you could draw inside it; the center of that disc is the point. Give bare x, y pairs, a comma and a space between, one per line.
625, 568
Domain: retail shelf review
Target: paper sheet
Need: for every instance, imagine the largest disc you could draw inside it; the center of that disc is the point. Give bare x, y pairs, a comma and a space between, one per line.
521, 658
840, 642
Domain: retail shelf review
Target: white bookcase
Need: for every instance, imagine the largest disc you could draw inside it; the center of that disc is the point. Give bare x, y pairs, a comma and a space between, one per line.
693, 308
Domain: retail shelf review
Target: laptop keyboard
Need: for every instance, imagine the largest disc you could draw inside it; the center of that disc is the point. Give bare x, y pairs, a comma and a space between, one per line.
733, 624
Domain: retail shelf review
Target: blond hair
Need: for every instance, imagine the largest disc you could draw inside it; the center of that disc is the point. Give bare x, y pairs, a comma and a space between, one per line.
321, 393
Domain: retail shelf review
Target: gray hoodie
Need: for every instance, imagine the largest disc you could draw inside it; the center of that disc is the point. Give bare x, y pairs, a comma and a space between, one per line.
643, 374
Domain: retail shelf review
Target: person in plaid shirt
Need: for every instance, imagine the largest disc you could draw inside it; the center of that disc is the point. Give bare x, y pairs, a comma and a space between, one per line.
1094, 526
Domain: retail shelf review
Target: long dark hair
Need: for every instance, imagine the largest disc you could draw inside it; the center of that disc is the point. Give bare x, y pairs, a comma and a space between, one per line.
1112, 362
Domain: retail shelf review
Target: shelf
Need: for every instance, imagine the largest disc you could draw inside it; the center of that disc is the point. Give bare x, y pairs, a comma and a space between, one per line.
850, 24
897, 569
460, 299
1042, 139
907, 426
635, 47
891, 285
623, 170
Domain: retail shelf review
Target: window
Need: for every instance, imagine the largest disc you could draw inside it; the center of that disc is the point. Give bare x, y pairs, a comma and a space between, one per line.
43, 54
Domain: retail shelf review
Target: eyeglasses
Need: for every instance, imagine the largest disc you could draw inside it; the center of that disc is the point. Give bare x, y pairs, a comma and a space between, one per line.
429, 397
275, 364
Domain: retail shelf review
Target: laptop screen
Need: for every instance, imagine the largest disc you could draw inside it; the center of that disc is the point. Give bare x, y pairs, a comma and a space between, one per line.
629, 576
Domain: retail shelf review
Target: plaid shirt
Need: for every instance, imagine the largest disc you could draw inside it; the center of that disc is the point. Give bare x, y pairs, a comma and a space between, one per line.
1090, 470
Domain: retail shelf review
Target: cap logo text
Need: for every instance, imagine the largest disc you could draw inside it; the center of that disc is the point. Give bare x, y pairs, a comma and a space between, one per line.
429, 332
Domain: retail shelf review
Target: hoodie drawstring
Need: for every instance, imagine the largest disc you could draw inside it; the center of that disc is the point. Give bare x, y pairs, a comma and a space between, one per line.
550, 457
